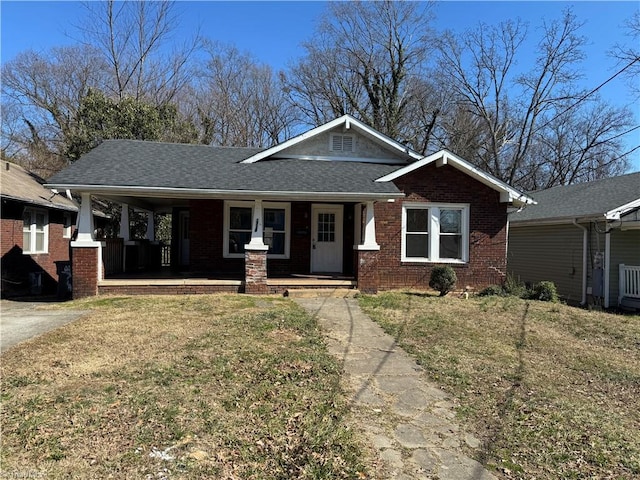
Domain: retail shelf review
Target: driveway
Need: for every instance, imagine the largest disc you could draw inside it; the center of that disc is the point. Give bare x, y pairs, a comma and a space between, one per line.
20, 321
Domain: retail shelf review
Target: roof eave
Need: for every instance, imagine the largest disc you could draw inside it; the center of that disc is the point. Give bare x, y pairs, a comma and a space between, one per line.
201, 193
57, 206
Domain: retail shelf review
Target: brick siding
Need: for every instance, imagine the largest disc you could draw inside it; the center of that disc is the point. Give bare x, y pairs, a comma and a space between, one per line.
487, 229
17, 265
85, 271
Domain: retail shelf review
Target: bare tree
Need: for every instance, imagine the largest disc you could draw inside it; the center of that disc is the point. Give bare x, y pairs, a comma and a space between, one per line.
514, 112
238, 102
367, 59
44, 91
629, 56
135, 39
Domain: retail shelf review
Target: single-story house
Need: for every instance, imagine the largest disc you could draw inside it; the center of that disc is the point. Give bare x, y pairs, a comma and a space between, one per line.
341, 204
37, 226
585, 238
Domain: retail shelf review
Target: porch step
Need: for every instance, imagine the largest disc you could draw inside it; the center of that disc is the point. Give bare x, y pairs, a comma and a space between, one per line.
322, 292
630, 303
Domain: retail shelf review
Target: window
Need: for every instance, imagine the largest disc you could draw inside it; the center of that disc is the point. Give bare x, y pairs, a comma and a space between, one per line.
435, 233
341, 143
35, 231
68, 225
238, 218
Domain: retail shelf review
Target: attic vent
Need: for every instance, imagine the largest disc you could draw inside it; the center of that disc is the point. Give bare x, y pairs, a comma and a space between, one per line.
341, 143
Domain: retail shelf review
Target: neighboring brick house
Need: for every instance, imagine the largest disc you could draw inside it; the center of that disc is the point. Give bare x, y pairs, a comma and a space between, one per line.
37, 225
341, 201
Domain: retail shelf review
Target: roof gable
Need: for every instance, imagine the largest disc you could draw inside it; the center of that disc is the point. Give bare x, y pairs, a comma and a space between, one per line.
345, 124
508, 194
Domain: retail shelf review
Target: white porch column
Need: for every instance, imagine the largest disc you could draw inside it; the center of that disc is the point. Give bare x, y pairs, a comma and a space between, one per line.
257, 229
124, 222
85, 222
151, 227
369, 241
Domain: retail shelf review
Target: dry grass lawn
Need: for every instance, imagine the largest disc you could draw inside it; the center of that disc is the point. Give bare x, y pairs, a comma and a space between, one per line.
226, 387
554, 391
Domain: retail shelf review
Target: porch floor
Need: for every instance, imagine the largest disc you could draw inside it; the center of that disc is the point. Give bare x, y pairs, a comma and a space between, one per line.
166, 282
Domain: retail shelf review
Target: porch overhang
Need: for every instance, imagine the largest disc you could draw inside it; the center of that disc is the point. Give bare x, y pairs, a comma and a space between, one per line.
152, 198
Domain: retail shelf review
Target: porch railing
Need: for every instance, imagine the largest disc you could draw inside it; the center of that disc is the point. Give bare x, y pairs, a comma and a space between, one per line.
166, 255
629, 284
112, 255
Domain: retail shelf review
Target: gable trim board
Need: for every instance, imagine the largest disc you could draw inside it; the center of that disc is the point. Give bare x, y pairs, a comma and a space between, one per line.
348, 122
508, 194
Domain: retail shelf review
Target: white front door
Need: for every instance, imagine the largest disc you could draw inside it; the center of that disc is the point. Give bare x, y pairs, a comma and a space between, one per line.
326, 238
183, 245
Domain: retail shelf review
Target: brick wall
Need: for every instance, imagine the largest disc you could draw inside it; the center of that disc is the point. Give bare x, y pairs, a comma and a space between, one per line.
256, 272
487, 242
17, 265
368, 270
85, 271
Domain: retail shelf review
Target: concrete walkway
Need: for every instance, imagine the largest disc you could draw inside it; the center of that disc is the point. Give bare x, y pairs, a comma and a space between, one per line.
408, 419
20, 321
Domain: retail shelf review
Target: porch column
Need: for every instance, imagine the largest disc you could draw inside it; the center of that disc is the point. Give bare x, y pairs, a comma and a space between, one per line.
86, 254
151, 227
255, 257
124, 223
367, 254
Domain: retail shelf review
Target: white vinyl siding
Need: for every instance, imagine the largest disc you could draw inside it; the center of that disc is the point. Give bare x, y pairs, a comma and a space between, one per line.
35, 231
435, 233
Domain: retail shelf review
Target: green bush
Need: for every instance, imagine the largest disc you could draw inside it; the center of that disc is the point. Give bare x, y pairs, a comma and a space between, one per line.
491, 290
545, 291
443, 279
513, 286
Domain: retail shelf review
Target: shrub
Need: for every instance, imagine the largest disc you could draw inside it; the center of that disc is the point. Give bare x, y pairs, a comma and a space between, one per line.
545, 291
443, 279
513, 286
492, 290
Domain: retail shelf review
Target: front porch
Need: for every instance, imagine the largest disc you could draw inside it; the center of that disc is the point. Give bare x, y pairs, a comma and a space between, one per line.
167, 283
629, 286
234, 246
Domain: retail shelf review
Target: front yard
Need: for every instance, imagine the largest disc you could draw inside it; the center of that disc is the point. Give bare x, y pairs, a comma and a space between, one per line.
554, 391
227, 387
241, 387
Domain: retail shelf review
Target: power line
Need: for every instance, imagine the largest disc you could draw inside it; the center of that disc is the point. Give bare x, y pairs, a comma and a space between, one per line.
588, 94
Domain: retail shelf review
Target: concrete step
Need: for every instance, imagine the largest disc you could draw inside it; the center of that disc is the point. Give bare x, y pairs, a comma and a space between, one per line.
321, 292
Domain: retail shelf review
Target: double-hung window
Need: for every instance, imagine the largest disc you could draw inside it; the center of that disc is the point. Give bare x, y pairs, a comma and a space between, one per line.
35, 231
238, 224
435, 233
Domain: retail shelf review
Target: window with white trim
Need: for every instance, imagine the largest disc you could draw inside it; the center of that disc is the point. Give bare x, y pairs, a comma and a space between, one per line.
68, 225
35, 231
435, 232
339, 142
276, 230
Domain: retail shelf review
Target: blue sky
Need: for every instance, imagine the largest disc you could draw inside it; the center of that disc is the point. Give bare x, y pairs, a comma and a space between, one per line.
273, 31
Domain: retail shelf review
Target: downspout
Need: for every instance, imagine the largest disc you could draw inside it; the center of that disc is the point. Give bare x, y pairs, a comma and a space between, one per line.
607, 272
584, 261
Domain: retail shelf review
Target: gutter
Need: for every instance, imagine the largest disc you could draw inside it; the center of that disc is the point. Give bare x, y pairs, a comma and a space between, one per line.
584, 260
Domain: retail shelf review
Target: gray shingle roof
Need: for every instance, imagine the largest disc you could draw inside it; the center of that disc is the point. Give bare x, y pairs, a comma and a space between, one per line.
18, 184
583, 200
131, 163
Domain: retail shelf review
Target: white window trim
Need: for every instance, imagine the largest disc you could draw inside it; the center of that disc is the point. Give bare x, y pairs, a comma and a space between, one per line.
265, 205
434, 231
342, 135
31, 249
66, 230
